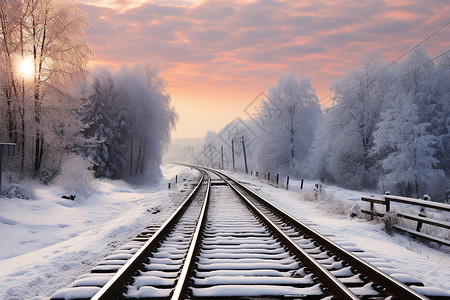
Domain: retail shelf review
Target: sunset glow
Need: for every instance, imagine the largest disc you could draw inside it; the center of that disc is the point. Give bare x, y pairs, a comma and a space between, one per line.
218, 55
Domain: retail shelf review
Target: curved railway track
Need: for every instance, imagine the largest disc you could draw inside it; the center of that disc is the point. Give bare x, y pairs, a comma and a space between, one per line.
227, 242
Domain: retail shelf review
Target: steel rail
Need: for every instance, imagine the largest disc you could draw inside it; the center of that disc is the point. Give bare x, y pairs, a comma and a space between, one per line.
335, 286
120, 279
178, 292
388, 284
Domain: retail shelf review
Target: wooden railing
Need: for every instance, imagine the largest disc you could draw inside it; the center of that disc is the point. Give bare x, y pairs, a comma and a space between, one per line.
420, 218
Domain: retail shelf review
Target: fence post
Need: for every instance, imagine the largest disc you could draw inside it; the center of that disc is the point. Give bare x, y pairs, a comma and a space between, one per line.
419, 223
278, 178
422, 214
372, 210
287, 182
176, 178
169, 186
387, 202
268, 176
301, 184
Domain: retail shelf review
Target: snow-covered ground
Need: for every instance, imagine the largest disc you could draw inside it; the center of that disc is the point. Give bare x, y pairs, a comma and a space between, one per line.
48, 242
429, 265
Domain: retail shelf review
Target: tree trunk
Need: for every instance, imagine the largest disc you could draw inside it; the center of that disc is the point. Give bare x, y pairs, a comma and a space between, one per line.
12, 127
22, 123
144, 154
38, 61
39, 151
291, 140
138, 160
22, 109
131, 157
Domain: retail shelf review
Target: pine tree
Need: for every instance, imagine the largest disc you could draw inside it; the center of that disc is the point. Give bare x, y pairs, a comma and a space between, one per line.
410, 147
408, 136
441, 117
99, 111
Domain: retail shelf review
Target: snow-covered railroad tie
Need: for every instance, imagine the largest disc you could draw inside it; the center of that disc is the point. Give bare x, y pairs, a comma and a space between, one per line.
154, 260
243, 247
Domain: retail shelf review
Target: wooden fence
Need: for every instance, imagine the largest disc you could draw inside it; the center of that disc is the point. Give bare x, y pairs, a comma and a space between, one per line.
420, 218
277, 180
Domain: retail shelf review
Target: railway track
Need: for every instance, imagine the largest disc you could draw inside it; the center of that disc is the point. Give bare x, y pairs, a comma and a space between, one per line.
227, 242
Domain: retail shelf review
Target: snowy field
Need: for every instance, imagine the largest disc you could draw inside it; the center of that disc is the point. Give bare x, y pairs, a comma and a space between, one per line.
48, 242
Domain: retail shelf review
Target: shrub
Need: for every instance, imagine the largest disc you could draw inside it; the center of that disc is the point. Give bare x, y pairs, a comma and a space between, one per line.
76, 176
17, 191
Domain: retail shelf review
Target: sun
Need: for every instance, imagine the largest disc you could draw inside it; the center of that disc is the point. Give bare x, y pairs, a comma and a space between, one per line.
26, 67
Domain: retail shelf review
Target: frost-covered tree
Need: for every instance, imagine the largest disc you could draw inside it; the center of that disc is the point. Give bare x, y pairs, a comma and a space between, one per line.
130, 114
384, 119
440, 120
359, 98
43, 53
146, 118
410, 147
288, 133
408, 135
100, 112
316, 161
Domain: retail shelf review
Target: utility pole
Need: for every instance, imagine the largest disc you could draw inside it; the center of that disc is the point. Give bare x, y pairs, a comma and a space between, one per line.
210, 154
232, 152
245, 155
204, 153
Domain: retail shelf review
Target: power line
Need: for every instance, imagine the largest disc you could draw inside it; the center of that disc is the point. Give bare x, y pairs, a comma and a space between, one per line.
397, 78
393, 62
441, 69
389, 90
423, 41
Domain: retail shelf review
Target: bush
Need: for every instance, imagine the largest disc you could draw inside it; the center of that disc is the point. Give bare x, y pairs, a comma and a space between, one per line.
77, 176
17, 191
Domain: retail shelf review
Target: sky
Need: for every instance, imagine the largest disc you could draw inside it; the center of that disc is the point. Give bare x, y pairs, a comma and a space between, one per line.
217, 56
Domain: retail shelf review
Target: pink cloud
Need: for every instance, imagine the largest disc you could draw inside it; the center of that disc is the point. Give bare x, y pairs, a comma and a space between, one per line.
247, 44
